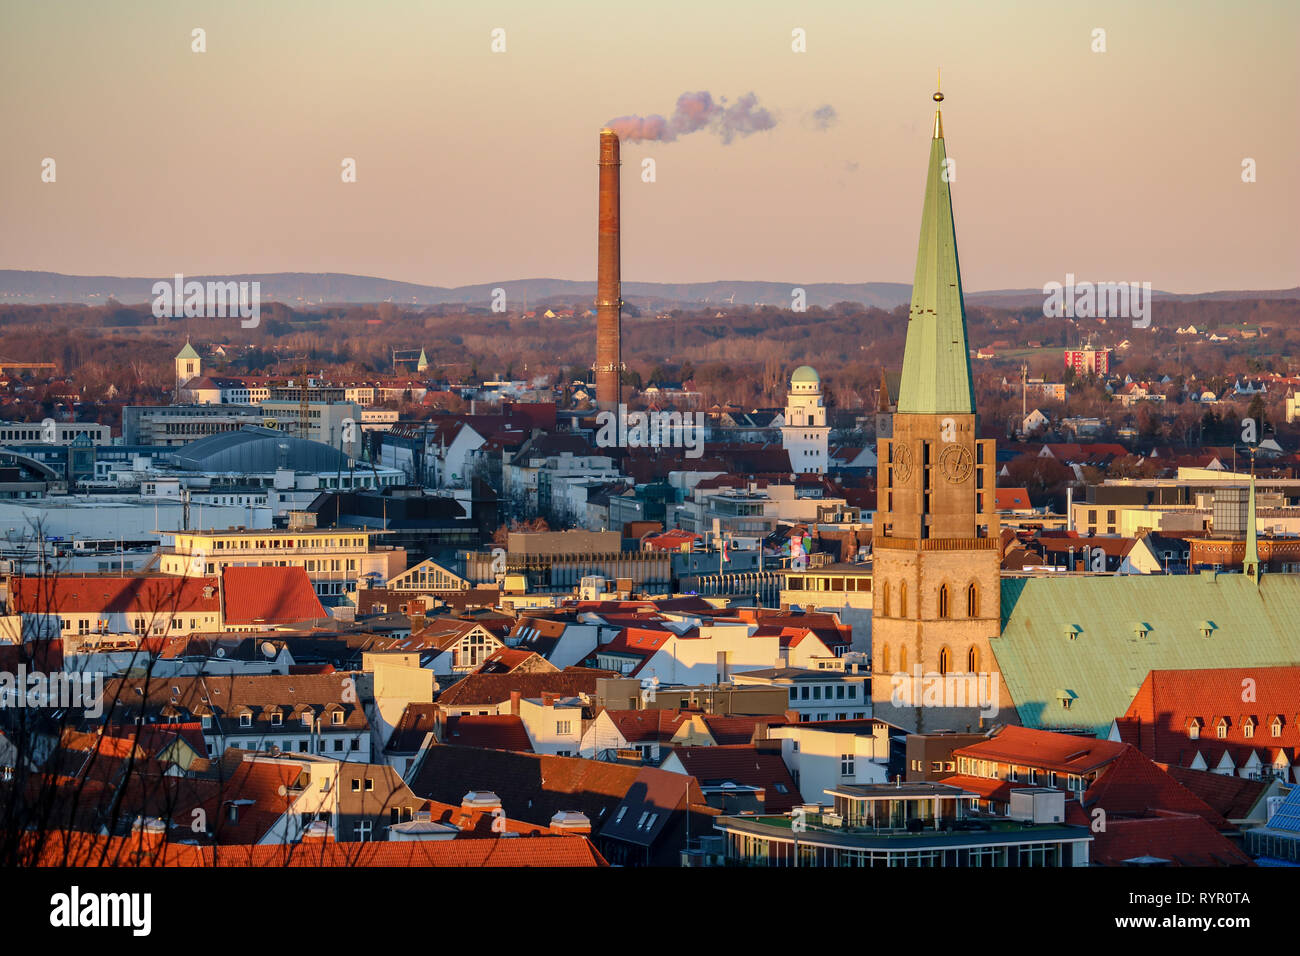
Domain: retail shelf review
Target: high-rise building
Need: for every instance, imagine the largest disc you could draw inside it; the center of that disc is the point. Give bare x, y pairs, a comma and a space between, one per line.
936, 568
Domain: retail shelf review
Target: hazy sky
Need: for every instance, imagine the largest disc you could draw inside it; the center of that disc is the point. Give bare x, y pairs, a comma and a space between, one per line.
476, 166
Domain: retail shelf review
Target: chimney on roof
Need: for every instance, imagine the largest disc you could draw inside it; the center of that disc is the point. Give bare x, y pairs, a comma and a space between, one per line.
514, 702
548, 699
480, 800
148, 836
571, 821
317, 833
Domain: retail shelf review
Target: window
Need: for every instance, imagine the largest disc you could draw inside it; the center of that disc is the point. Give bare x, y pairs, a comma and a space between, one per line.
356, 784
336, 718
1194, 731
1248, 728
564, 726
1275, 728
945, 661
846, 765
361, 830
972, 601
245, 720
370, 783
973, 660
943, 601
277, 720
902, 604
1222, 729
306, 719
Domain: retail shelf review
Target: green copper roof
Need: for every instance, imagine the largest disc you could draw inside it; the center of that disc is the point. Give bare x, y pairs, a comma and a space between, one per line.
1126, 626
805, 374
187, 352
936, 362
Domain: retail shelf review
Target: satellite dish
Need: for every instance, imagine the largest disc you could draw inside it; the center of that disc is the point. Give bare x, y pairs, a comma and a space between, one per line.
268, 649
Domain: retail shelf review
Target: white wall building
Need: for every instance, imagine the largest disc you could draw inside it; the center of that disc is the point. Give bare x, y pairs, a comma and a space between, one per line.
805, 435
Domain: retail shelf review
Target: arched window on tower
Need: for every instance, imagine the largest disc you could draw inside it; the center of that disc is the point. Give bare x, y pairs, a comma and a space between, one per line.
884, 599
884, 658
972, 600
943, 600
945, 661
973, 660
902, 658
902, 599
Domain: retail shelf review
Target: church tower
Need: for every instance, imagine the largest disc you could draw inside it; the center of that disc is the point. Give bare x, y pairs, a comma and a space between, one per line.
805, 434
935, 561
188, 366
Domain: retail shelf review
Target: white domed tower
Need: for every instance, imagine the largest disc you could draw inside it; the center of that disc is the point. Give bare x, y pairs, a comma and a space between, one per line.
805, 435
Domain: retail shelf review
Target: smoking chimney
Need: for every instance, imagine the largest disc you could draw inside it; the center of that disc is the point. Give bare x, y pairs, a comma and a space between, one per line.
609, 302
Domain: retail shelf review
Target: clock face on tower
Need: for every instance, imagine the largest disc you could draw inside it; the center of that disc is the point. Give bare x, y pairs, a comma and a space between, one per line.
902, 462
955, 462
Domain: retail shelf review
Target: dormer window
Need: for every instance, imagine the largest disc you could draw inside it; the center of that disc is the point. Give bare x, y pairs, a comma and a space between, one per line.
1194, 730
306, 718
1221, 729
1275, 728
336, 718
245, 720
277, 720
1248, 729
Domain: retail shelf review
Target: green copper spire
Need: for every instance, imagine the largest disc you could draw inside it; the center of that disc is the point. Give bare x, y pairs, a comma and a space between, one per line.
936, 360
1251, 564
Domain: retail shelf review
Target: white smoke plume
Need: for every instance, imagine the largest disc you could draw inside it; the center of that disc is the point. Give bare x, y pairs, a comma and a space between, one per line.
694, 112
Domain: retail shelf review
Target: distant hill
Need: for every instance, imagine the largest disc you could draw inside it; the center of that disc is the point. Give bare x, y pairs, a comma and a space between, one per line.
304, 289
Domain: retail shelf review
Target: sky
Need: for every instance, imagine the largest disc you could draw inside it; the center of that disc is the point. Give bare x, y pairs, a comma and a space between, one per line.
478, 166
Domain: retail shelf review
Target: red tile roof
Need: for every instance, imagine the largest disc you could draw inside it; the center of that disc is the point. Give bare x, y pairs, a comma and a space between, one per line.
1065, 753
1168, 701
1134, 785
1231, 797
491, 731
269, 595
1182, 839
647, 726
84, 849
1009, 498
96, 593
492, 689
743, 764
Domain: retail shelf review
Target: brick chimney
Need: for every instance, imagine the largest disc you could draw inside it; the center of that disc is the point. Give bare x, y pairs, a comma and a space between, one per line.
548, 699
514, 702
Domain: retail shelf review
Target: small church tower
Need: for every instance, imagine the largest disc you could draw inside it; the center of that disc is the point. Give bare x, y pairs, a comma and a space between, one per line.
188, 366
805, 435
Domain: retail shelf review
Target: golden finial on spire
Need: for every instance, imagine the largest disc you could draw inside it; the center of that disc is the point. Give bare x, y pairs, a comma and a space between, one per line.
938, 114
